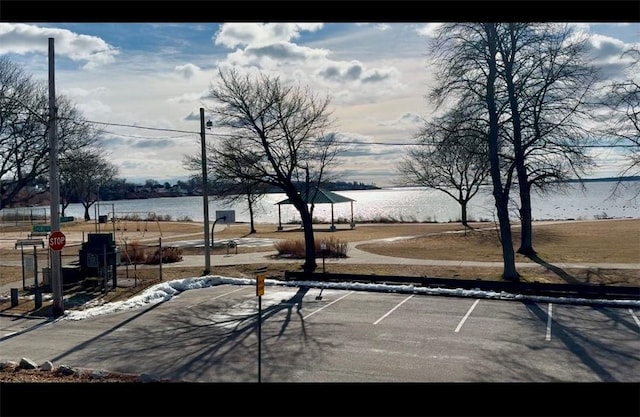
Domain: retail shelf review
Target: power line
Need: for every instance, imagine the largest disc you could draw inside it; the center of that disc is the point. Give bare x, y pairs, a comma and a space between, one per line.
142, 127
140, 137
347, 142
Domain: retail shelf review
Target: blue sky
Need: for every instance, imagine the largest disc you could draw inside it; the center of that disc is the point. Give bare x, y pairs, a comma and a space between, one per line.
157, 75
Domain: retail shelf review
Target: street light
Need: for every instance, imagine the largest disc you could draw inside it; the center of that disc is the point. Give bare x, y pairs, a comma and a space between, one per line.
205, 197
54, 189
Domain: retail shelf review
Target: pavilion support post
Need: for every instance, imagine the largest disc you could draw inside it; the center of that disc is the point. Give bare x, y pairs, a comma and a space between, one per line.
353, 225
333, 226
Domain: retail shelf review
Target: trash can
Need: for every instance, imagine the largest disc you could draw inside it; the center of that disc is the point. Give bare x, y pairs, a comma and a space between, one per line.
14, 297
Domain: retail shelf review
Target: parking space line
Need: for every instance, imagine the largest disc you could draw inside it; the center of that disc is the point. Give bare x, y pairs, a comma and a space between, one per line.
323, 307
216, 297
635, 318
549, 320
466, 316
391, 311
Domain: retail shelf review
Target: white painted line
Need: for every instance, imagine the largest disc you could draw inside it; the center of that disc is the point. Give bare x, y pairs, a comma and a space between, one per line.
323, 307
8, 334
216, 297
466, 316
391, 311
549, 316
635, 318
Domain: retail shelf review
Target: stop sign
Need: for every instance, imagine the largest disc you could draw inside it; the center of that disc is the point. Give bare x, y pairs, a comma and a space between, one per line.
57, 240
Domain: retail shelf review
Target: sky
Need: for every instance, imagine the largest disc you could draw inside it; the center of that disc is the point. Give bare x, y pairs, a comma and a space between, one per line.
273, 294
144, 83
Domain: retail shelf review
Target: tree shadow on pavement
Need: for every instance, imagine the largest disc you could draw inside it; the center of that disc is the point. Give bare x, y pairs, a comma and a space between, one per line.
214, 342
568, 278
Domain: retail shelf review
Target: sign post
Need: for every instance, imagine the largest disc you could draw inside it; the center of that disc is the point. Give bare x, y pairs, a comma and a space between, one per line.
259, 293
57, 241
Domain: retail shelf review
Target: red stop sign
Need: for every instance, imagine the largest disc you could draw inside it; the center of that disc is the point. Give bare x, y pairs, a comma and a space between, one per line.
57, 240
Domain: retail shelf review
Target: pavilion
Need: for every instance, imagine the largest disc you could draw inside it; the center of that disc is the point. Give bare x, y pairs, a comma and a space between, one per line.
320, 197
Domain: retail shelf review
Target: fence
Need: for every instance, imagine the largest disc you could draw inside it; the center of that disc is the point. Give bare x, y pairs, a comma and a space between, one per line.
125, 264
23, 216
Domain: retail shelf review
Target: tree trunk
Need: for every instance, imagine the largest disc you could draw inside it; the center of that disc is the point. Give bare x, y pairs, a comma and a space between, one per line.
463, 209
526, 247
252, 225
310, 264
508, 255
526, 232
501, 197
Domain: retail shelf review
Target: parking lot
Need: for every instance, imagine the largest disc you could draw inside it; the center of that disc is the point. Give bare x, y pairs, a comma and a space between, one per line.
312, 335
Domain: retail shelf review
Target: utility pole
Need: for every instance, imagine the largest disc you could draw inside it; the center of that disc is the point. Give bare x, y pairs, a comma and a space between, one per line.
205, 197
54, 190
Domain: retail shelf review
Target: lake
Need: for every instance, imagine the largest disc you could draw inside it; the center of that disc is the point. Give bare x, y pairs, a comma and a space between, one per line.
401, 204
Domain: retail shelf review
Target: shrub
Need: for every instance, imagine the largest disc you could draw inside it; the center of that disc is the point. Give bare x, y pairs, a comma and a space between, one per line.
133, 253
170, 254
137, 253
296, 248
290, 248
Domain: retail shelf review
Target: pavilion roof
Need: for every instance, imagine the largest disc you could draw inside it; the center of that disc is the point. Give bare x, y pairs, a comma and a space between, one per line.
321, 196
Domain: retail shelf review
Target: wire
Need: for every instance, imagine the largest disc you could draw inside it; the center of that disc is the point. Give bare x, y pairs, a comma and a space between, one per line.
347, 142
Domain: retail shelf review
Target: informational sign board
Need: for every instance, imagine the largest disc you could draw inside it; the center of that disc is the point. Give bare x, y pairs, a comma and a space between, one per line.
41, 228
92, 260
260, 285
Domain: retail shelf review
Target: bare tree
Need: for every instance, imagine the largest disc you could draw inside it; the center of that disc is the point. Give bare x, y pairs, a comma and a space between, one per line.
621, 121
278, 130
81, 175
547, 79
450, 156
24, 146
534, 80
466, 66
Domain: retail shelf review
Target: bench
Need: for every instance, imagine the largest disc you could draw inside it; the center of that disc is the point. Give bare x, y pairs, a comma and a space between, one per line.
29, 242
32, 234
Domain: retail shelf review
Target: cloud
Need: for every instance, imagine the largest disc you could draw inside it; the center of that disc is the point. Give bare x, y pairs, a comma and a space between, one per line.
428, 29
405, 119
187, 70
77, 92
275, 56
336, 71
355, 71
232, 35
607, 54
26, 39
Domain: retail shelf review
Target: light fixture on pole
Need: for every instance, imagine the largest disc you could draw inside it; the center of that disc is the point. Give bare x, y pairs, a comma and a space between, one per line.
205, 196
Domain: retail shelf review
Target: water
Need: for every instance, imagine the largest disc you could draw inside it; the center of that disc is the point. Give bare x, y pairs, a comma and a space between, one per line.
401, 204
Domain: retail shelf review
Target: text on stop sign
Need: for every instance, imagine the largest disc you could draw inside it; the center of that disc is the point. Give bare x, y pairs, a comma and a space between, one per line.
57, 241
